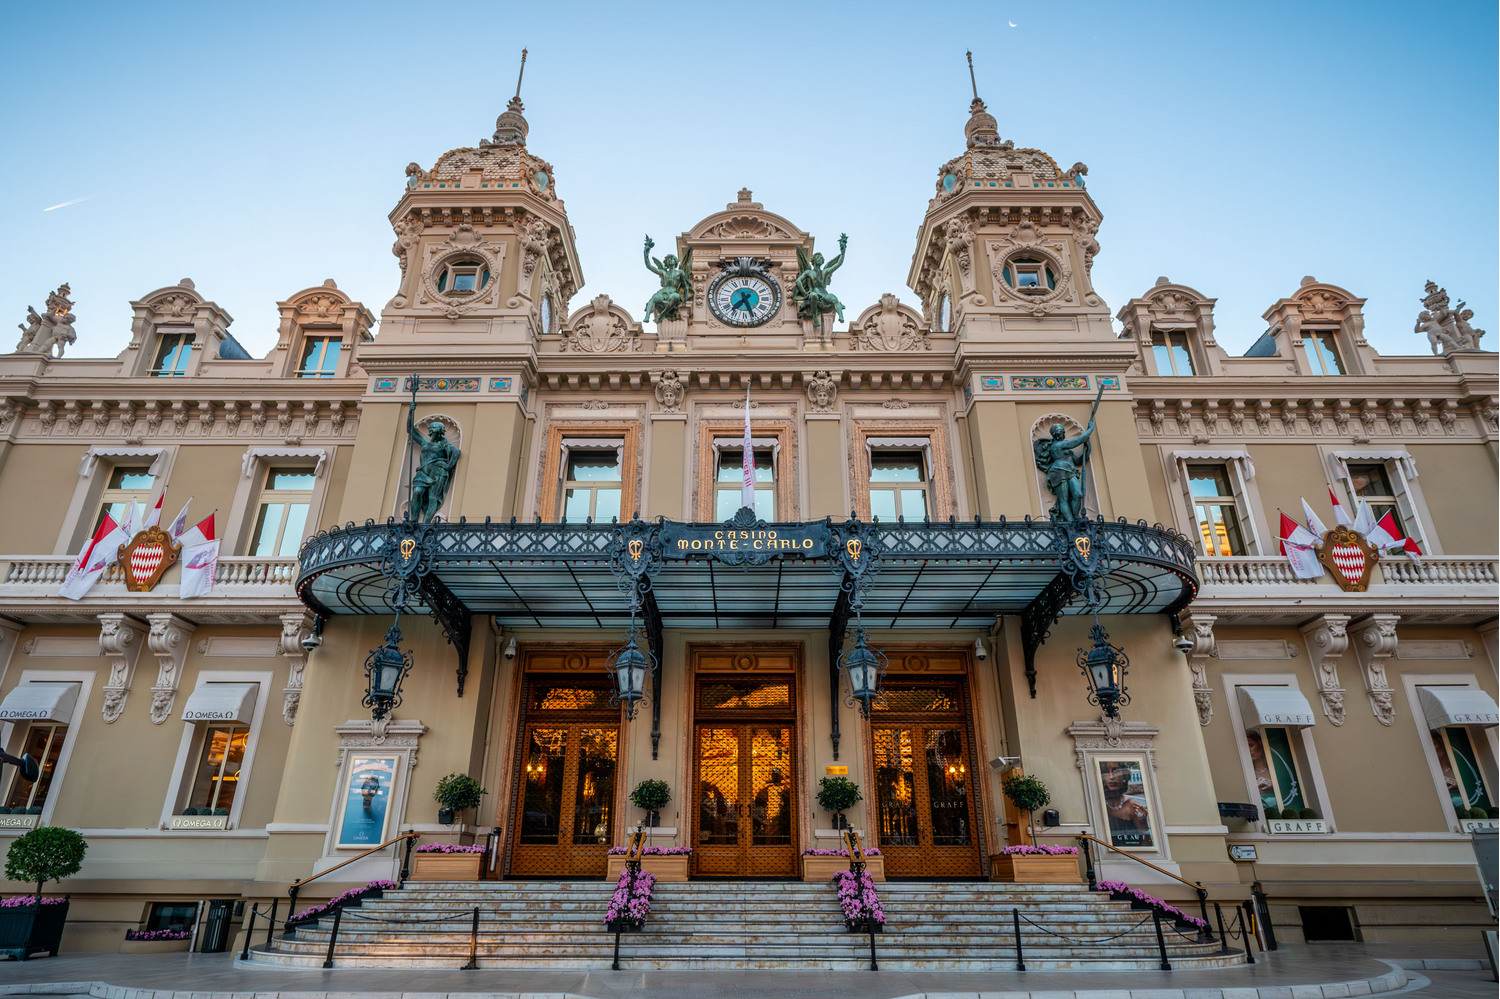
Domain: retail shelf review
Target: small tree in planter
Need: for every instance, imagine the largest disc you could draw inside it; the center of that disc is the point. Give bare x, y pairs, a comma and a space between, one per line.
455, 793
836, 794
1028, 794
46, 854
653, 796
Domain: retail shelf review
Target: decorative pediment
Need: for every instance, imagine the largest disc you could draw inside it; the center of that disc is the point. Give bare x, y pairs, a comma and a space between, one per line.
746, 219
889, 326
603, 327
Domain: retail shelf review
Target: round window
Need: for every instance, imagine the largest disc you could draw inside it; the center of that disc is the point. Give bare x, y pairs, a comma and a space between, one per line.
950, 181
462, 276
542, 180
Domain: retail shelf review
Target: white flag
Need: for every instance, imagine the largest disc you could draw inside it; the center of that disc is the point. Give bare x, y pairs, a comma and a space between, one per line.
1364, 522
179, 522
198, 564
153, 515
90, 564
1339, 514
1313, 523
109, 546
747, 462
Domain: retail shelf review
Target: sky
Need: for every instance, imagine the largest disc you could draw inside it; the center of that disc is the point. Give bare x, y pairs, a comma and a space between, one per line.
1233, 147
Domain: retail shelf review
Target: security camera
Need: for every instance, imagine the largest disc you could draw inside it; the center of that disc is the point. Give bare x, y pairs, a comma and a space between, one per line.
1002, 762
980, 652
510, 648
1182, 644
311, 641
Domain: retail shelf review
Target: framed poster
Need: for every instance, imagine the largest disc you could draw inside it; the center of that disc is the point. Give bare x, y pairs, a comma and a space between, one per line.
367, 800
1122, 788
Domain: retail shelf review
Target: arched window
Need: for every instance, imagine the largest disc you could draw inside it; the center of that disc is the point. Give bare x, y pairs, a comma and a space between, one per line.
1029, 275
463, 276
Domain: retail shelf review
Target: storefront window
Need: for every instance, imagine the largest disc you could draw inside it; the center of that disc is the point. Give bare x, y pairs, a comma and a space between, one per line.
1467, 788
1275, 766
44, 743
217, 774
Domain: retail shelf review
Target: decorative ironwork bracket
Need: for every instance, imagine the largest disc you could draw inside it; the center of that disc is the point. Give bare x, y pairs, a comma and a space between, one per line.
634, 556
856, 557
1037, 620
455, 619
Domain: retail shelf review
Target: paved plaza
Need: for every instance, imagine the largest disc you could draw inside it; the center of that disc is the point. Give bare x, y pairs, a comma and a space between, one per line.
1301, 971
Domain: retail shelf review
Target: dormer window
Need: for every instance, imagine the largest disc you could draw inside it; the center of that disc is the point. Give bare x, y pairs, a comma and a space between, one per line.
173, 350
1322, 352
1170, 350
464, 276
1034, 277
320, 357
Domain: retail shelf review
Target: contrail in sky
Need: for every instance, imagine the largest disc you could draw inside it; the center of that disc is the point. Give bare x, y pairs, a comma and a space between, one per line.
66, 204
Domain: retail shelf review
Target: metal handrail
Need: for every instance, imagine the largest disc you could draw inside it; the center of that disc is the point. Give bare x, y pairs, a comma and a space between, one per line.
1084, 839
296, 886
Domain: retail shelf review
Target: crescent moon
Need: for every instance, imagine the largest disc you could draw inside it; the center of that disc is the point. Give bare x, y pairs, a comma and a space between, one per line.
1012, 24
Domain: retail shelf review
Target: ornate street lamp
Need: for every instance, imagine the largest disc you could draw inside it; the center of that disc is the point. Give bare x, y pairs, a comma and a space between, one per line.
864, 667
630, 666
385, 667
1104, 666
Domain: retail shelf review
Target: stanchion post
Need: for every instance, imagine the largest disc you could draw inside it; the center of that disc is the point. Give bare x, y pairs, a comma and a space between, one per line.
874, 965
1203, 908
1223, 937
1161, 941
473, 943
1263, 907
271, 925
338, 915
1088, 861
1015, 919
406, 861
249, 929
1245, 936
615, 966
291, 906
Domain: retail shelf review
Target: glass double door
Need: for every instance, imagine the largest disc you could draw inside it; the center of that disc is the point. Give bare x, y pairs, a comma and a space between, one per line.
745, 808
564, 813
925, 808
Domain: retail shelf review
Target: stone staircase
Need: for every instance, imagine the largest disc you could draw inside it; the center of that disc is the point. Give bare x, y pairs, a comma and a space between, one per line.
951, 926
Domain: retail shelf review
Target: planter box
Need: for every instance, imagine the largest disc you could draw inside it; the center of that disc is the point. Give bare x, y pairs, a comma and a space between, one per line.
824, 868
154, 946
24, 931
669, 867
1036, 869
446, 867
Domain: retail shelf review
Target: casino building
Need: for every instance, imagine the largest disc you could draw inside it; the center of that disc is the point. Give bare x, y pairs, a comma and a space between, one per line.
215, 748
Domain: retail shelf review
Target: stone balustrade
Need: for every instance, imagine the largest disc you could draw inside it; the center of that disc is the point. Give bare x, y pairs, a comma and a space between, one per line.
239, 576
1220, 575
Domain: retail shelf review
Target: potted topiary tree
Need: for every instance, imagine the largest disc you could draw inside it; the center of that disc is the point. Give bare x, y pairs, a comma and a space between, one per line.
651, 795
1030, 862
46, 854
836, 794
455, 793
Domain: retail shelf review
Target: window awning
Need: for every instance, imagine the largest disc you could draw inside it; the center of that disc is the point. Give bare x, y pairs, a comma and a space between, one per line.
221, 702
1281, 706
1445, 706
50, 702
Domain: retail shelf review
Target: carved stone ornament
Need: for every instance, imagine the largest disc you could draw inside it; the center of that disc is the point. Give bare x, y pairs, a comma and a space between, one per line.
822, 389
1112, 734
891, 327
1374, 643
669, 391
1027, 242
389, 732
169, 641
293, 627
1199, 629
602, 328
1349, 557
1447, 329
51, 332
120, 642
1327, 640
467, 242
149, 554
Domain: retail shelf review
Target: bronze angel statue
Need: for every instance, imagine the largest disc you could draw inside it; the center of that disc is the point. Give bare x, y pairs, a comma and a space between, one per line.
676, 283
811, 290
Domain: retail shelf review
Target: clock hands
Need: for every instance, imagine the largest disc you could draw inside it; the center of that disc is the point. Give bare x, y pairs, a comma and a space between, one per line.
742, 300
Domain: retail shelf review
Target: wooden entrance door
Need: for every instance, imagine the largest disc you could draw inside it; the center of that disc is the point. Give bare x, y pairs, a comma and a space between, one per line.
569, 756
745, 805
923, 766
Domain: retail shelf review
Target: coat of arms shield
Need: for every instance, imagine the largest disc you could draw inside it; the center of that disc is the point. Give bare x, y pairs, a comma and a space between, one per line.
146, 557
1349, 556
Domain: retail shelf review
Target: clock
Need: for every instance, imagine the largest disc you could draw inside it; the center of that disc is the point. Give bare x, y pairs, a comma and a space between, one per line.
744, 294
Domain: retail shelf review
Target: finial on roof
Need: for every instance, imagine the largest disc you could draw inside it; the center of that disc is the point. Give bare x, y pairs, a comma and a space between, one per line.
972, 85
515, 102
982, 129
511, 127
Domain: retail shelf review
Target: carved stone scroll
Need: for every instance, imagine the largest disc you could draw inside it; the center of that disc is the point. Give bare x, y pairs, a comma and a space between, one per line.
1199, 629
168, 640
1327, 640
120, 640
1374, 643
293, 627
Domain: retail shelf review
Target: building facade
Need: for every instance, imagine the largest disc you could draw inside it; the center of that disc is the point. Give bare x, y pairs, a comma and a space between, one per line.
214, 748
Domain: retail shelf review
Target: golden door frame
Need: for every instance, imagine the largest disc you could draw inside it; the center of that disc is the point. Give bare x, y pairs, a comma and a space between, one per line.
739, 659
913, 662
555, 660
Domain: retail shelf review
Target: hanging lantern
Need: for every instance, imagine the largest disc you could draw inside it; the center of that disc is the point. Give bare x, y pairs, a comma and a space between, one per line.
630, 666
385, 667
864, 667
1104, 667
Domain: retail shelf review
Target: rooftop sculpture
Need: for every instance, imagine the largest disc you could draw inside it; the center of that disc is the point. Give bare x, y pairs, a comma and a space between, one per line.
50, 332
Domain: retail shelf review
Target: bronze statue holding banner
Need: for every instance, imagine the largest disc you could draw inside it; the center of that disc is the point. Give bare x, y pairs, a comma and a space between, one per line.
676, 283
1054, 455
811, 289
434, 469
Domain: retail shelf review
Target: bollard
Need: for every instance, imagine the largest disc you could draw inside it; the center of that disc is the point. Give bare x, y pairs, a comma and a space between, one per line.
1161, 941
1015, 916
1223, 937
616, 965
874, 965
338, 914
249, 929
1203, 907
1245, 935
271, 925
473, 943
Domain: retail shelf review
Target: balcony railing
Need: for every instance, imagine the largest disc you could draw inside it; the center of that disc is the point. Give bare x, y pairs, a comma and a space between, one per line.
245, 575
1217, 573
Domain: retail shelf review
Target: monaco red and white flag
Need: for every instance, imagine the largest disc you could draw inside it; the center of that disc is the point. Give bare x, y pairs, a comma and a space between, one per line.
90, 564
198, 565
200, 533
1339, 513
179, 522
1398, 542
1313, 523
747, 462
1299, 545
153, 515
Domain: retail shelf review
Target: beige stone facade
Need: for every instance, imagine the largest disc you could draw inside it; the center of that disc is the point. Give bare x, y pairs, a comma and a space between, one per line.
926, 408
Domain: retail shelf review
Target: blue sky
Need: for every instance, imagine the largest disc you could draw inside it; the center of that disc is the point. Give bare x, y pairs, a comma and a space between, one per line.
257, 148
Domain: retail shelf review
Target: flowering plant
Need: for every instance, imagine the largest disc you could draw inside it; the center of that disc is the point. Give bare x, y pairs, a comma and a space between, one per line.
654, 851
1165, 908
352, 895
631, 903
19, 901
857, 898
451, 848
873, 851
157, 934
1039, 851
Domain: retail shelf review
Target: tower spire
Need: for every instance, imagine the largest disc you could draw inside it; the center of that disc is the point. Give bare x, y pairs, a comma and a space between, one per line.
972, 85
981, 129
515, 102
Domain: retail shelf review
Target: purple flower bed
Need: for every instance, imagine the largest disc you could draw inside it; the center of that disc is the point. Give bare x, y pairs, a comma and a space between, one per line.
451, 848
1039, 851
1121, 889
654, 851
631, 903
873, 851
858, 900
24, 900
353, 895
157, 934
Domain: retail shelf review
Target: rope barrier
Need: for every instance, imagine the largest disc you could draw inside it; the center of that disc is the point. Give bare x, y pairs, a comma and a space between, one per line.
1077, 940
1191, 938
436, 919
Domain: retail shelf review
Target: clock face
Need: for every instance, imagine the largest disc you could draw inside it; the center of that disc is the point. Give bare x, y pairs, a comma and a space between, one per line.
743, 299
